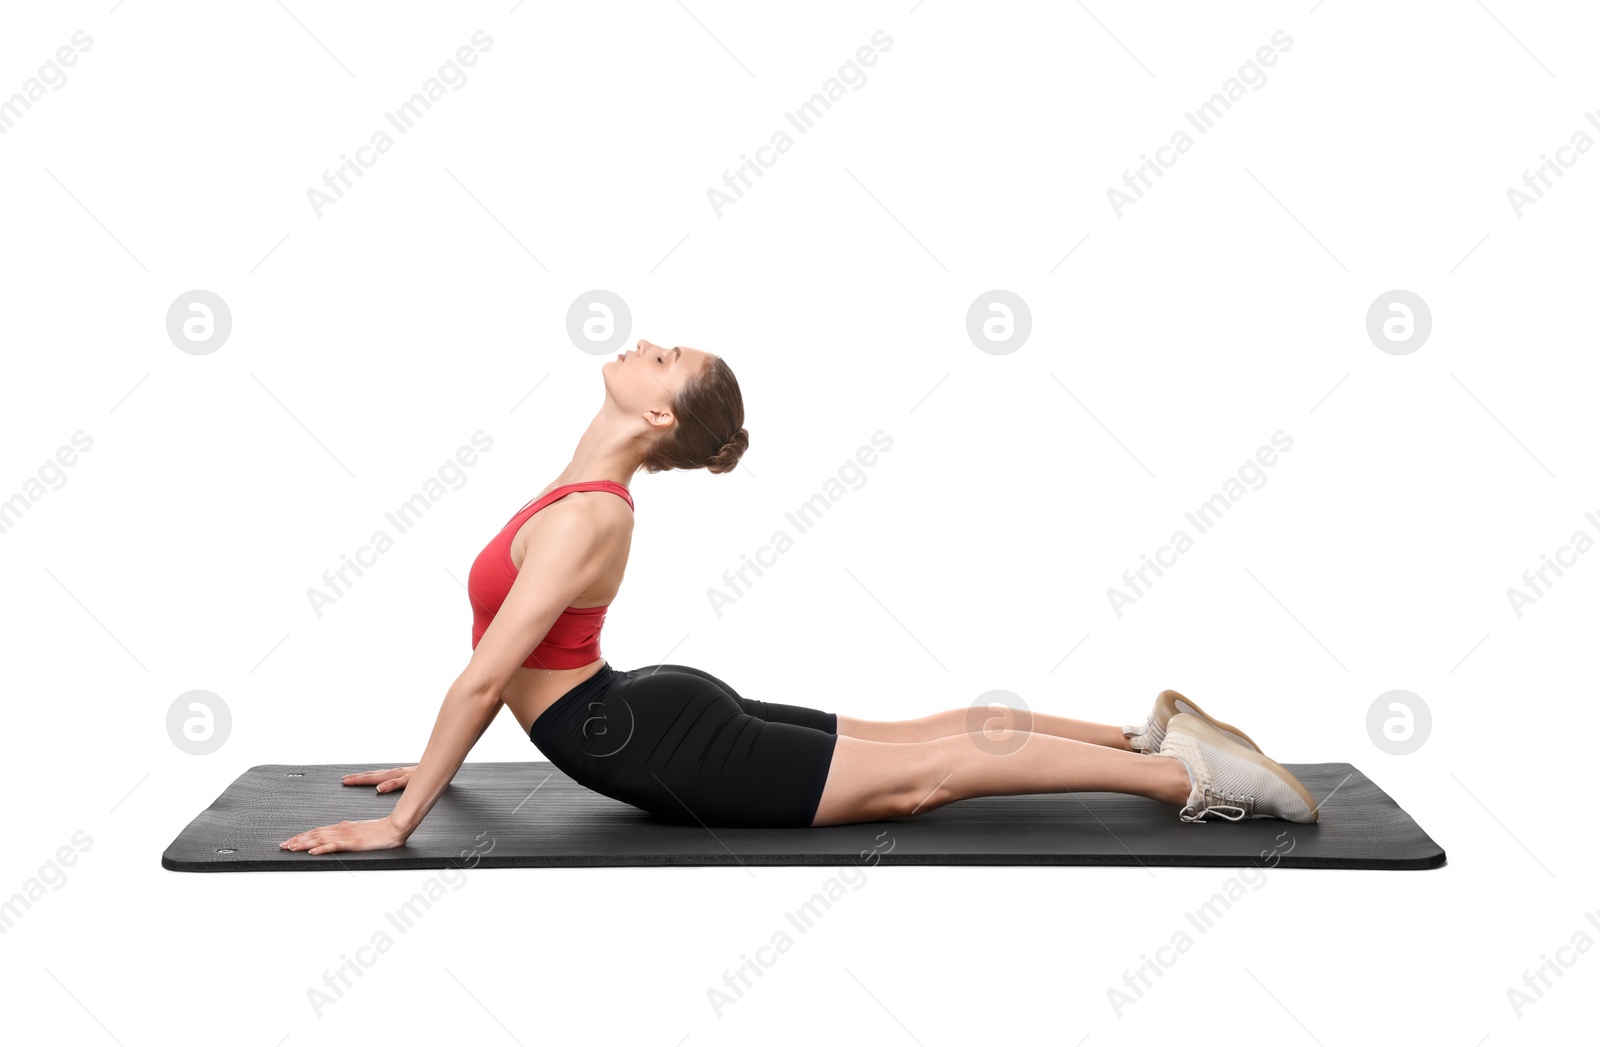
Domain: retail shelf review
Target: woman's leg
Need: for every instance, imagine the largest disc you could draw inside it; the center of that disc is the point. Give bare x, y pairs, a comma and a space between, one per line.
979, 719
926, 728
871, 780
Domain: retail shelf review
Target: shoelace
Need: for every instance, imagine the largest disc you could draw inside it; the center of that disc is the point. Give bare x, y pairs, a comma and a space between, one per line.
1220, 803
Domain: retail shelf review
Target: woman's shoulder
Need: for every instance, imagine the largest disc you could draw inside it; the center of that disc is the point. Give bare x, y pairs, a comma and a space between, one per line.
598, 508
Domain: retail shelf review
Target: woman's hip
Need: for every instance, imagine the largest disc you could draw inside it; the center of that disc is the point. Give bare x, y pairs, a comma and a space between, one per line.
680, 743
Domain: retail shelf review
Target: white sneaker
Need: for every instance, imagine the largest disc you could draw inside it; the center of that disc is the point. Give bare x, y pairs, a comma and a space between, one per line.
1147, 737
1230, 780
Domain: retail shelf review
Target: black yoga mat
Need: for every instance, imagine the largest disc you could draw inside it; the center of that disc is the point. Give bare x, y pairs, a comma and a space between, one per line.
530, 814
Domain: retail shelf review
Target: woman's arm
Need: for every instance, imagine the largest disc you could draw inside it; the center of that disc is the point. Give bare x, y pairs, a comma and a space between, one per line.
461, 722
463, 718
572, 549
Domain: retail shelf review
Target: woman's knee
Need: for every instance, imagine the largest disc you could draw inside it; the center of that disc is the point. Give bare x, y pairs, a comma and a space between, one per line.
969, 719
918, 729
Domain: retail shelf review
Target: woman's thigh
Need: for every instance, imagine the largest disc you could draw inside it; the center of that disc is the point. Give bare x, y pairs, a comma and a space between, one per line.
873, 780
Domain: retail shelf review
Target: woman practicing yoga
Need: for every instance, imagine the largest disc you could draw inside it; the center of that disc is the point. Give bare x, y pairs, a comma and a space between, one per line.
683, 745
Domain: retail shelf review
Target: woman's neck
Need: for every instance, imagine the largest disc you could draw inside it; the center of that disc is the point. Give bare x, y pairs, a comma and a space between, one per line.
601, 454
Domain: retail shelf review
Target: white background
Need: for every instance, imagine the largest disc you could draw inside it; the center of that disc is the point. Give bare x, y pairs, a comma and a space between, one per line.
372, 341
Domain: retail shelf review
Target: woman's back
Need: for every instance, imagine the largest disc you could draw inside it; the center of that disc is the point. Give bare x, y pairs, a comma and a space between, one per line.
570, 651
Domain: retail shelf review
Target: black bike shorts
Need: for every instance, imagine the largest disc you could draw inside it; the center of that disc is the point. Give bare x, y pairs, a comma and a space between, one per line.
684, 746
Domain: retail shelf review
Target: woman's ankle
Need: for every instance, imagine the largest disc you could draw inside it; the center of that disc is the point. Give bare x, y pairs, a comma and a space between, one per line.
1177, 780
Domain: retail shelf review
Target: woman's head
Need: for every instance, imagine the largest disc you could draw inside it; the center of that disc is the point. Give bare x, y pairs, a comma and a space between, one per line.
688, 400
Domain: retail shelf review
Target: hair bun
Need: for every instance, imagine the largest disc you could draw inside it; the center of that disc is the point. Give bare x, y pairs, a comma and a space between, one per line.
729, 455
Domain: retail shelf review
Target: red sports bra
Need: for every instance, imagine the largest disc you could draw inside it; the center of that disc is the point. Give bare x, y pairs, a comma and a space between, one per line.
574, 640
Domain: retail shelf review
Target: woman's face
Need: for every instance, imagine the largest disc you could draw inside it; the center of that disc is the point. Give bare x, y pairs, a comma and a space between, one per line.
648, 377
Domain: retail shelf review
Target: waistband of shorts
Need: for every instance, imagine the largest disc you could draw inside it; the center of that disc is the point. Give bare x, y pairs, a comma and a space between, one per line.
580, 693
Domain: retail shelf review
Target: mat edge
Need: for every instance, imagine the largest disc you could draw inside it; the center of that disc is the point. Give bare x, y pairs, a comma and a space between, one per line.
1421, 863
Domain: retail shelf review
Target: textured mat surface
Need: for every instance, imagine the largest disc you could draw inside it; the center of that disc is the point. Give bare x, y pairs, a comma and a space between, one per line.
530, 814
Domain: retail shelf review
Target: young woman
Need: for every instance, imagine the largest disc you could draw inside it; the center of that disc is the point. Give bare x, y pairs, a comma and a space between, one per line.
685, 746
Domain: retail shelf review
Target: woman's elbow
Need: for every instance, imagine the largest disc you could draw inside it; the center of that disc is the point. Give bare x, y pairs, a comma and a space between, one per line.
476, 690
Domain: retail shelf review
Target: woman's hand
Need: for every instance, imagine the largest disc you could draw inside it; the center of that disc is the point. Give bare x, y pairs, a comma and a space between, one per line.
376, 834
386, 781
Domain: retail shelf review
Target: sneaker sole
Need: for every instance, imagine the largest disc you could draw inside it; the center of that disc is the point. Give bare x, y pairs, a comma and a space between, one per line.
1201, 730
1171, 703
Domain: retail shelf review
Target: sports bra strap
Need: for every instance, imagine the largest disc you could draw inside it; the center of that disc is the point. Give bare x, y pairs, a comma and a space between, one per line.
582, 485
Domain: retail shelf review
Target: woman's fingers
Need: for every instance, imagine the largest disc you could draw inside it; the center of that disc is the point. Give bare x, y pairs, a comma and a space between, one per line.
395, 783
375, 777
374, 834
370, 777
300, 841
316, 840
